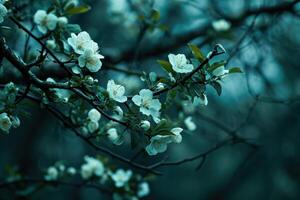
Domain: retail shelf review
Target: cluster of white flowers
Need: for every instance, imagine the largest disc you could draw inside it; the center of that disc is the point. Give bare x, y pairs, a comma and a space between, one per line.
91, 167
180, 63
53, 173
3, 11
158, 143
148, 105
6, 122
87, 50
121, 177
221, 25
116, 92
93, 120
48, 21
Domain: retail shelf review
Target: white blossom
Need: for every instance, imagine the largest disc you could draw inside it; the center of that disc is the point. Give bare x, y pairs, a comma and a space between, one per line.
121, 177
148, 105
180, 64
82, 42
45, 21
15, 121
92, 167
114, 137
71, 171
145, 124
94, 115
159, 143
221, 25
93, 126
220, 71
191, 126
5, 122
152, 76
200, 100
118, 112
52, 174
51, 44
143, 189
3, 12
116, 92
62, 21
160, 86
91, 60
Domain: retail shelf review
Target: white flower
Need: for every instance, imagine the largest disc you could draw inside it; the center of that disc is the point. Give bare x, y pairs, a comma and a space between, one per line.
94, 115
221, 25
3, 12
82, 42
148, 105
92, 167
145, 124
152, 76
90, 60
5, 122
220, 71
176, 137
116, 92
15, 121
51, 44
114, 137
191, 126
200, 100
159, 143
71, 171
52, 174
118, 112
180, 63
160, 86
93, 126
45, 21
121, 177
143, 189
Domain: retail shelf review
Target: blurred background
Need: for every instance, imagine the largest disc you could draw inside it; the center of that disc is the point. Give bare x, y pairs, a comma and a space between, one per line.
261, 104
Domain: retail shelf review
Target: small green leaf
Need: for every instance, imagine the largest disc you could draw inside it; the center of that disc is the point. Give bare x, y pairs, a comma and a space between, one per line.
235, 70
165, 65
197, 52
78, 10
155, 15
217, 86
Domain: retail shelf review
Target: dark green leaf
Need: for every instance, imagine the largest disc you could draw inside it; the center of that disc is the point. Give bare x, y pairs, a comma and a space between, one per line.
165, 65
235, 70
197, 52
217, 86
78, 10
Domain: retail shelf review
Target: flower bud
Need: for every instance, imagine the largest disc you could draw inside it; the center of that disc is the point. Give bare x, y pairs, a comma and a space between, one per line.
145, 125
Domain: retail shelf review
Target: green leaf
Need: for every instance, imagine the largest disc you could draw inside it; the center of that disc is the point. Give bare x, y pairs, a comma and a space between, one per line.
165, 65
155, 15
235, 70
217, 86
73, 28
197, 52
78, 10
216, 65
